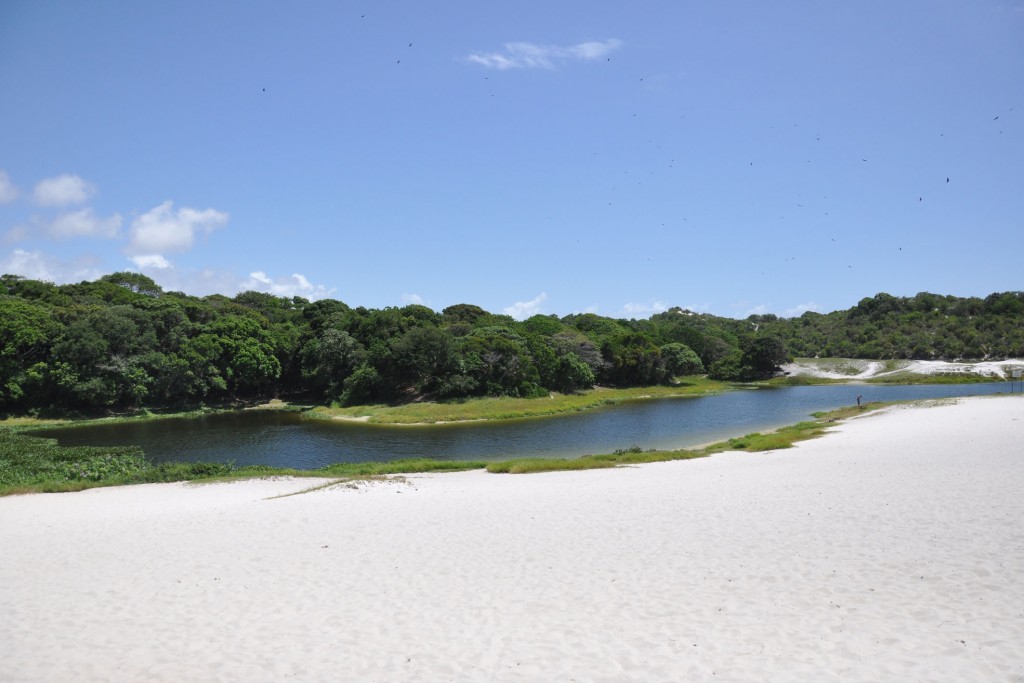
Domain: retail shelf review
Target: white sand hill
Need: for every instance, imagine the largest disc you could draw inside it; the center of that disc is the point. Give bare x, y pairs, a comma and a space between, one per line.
892, 550
857, 370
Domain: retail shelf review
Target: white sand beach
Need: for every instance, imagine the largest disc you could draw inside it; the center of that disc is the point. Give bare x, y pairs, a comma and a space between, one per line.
891, 550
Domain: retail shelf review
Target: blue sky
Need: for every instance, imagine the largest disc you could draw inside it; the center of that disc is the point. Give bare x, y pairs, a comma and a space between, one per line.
729, 157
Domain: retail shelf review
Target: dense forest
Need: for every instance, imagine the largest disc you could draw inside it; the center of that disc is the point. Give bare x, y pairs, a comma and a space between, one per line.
122, 342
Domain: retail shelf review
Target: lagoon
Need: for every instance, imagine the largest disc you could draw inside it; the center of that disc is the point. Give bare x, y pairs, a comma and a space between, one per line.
287, 439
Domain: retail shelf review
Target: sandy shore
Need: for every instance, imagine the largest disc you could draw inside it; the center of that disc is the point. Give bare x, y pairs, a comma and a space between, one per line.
892, 550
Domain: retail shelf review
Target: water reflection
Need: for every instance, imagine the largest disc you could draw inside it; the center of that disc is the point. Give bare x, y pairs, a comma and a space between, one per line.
288, 440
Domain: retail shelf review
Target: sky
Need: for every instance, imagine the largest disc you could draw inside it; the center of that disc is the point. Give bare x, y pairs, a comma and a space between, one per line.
729, 157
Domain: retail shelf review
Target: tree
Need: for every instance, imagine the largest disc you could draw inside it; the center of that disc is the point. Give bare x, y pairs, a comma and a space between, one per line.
633, 360
134, 282
26, 332
572, 374
362, 386
764, 355
729, 368
329, 359
571, 341
680, 359
463, 313
423, 358
546, 325
497, 358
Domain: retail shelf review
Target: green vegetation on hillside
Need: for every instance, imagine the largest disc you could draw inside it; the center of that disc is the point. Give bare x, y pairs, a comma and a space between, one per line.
121, 344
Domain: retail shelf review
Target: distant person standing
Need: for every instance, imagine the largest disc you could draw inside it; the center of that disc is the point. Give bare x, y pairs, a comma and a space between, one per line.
858, 400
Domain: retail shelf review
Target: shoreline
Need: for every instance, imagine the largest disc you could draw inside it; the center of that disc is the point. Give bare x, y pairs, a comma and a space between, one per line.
36, 459
889, 549
806, 374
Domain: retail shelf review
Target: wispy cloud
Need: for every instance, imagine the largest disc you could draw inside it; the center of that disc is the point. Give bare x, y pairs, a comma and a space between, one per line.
8, 192
634, 310
800, 309
522, 55
84, 223
62, 190
293, 285
412, 299
521, 310
37, 265
69, 225
204, 281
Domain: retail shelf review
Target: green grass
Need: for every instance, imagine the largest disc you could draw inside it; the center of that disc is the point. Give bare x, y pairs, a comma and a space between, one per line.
799, 381
408, 466
511, 408
632, 456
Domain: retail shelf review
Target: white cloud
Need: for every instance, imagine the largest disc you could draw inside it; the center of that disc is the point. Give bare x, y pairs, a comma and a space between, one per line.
532, 56
206, 281
62, 190
162, 229
295, 285
800, 309
151, 261
8, 192
760, 309
35, 265
521, 310
412, 299
200, 282
83, 223
634, 310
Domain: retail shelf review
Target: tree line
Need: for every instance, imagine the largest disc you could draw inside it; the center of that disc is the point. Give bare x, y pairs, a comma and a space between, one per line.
121, 342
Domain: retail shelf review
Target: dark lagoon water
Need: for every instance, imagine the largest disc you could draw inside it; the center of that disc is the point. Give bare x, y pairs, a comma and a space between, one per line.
286, 439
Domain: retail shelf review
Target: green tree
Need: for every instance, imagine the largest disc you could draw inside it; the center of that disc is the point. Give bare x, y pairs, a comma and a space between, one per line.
329, 359
679, 359
26, 332
134, 282
764, 354
423, 358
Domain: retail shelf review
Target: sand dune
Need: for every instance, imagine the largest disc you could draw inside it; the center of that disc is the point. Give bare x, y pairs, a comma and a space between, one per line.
855, 369
891, 550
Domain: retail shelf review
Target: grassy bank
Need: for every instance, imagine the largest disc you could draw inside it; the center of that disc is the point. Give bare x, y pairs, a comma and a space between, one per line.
30, 464
511, 408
